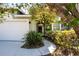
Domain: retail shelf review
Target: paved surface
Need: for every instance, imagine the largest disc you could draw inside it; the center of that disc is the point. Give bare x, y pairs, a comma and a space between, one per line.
12, 48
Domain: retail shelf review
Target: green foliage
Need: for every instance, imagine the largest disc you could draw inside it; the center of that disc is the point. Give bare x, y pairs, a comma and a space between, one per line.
71, 6
33, 39
2, 14
67, 38
42, 14
33, 11
74, 22
48, 27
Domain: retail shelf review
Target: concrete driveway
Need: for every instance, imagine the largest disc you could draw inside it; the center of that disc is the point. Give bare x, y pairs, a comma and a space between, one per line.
12, 48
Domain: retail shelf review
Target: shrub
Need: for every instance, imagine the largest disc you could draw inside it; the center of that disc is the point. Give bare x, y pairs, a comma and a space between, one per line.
50, 36
66, 41
33, 40
67, 38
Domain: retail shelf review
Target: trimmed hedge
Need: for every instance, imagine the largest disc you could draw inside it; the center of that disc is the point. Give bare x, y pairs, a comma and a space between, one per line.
67, 38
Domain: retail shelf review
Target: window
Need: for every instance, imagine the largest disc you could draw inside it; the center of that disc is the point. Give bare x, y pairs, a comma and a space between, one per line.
56, 26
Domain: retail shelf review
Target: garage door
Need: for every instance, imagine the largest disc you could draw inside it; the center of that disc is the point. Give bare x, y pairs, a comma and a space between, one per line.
13, 30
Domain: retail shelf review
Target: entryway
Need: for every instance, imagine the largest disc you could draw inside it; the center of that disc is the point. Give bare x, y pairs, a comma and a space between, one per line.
39, 28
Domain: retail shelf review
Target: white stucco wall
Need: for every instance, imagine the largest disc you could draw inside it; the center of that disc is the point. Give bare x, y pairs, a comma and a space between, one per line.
32, 26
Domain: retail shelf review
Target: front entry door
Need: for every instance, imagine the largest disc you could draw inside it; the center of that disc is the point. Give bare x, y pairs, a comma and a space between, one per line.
39, 29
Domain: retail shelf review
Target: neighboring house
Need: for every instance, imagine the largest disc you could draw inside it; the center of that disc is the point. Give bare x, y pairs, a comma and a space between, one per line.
15, 26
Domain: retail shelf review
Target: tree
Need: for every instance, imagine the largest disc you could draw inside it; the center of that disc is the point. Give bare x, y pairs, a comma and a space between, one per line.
69, 14
42, 14
2, 12
10, 8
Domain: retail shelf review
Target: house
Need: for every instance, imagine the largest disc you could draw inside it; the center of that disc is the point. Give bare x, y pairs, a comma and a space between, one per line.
16, 26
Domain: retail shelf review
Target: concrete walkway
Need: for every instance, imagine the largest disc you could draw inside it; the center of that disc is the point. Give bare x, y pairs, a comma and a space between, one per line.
12, 48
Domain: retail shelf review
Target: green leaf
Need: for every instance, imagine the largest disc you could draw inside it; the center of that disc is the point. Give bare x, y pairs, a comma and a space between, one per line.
70, 6
74, 22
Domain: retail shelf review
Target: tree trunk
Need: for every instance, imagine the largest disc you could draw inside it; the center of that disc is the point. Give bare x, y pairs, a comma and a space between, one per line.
76, 29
